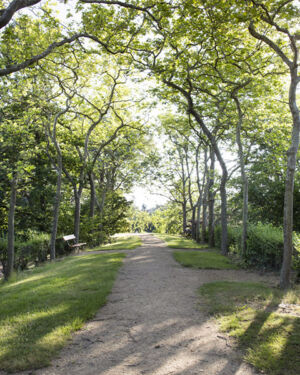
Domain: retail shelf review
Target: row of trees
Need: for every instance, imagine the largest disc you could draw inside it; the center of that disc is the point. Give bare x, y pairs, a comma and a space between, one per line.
69, 142
219, 74
223, 65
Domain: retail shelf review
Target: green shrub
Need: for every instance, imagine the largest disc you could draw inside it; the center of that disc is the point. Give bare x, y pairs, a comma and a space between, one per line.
30, 247
36, 248
91, 231
234, 238
264, 246
296, 255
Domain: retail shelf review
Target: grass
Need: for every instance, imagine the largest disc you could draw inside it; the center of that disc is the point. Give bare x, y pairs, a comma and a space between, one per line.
41, 308
176, 241
121, 243
204, 260
249, 312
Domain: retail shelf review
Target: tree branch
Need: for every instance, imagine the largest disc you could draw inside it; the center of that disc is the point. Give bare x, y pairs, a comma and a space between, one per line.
7, 14
271, 44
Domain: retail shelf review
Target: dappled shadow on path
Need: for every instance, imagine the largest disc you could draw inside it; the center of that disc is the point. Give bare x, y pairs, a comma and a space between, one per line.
151, 325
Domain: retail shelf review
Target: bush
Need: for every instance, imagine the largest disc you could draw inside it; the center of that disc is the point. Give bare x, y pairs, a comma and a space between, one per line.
29, 247
35, 249
264, 246
234, 238
92, 232
296, 255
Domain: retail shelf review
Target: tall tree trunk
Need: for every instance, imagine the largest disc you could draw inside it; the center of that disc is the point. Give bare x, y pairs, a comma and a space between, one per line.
204, 217
204, 204
200, 192
199, 205
77, 196
184, 217
194, 225
214, 144
285, 274
92, 195
211, 200
11, 227
213, 141
59, 169
243, 175
56, 211
224, 238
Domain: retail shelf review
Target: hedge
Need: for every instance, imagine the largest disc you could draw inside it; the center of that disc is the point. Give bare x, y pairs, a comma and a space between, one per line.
30, 247
264, 245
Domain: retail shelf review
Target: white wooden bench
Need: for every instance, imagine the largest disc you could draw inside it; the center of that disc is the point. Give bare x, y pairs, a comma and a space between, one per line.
70, 240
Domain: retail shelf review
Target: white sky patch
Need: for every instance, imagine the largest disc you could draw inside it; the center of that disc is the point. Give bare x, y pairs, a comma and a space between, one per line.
143, 196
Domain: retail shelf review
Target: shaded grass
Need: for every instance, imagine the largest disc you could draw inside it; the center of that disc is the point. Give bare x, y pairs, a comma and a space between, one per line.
41, 308
250, 313
204, 260
176, 241
121, 243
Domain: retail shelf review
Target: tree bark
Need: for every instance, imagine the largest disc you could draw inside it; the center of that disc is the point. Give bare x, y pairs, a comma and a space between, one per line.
184, 216
59, 169
243, 175
194, 225
199, 205
212, 139
92, 195
56, 213
285, 274
204, 204
200, 192
11, 227
77, 197
211, 201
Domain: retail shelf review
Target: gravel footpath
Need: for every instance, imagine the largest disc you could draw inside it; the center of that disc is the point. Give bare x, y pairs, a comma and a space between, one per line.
152, 323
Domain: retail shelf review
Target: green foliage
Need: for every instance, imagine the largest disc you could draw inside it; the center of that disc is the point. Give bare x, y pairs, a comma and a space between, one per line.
140, 220
251, 313
266, 188
92, 232
30, 247
296, 257
264, 246
45, 305
234, 237
167, 219
204, 260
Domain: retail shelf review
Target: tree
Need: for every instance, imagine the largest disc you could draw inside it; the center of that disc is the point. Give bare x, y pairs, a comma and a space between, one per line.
283, 41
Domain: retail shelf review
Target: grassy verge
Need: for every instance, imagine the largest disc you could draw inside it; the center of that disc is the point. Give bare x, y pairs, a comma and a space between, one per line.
41, 308
205, 260
121, 243
263, 321
176, 241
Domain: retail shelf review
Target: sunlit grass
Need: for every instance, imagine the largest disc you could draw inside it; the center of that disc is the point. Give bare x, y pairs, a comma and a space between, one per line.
42, 307
176, 241
204, 260
250, 312
121, 243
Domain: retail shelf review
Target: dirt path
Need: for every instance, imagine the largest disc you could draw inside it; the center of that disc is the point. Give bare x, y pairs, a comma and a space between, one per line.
151, 324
